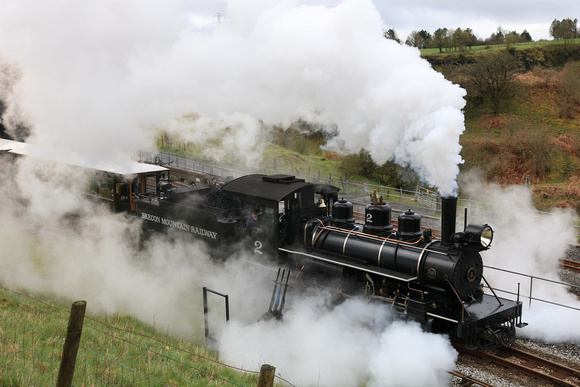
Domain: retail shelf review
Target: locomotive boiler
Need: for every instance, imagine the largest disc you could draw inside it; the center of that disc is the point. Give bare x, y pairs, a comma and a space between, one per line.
410, 251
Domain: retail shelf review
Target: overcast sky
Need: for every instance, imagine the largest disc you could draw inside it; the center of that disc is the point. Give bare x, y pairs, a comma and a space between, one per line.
482, 16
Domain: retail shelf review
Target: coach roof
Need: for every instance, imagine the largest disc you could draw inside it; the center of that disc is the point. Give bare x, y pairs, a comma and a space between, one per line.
119, 165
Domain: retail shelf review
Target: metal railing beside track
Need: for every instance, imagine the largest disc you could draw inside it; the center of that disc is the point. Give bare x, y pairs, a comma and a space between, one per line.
533, 278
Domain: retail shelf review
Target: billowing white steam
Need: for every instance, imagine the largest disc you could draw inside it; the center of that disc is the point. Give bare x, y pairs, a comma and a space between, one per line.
354, 344
95, 74
531, 243
63, 244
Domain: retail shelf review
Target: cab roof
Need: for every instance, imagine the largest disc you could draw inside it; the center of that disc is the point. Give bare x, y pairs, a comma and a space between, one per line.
266, 187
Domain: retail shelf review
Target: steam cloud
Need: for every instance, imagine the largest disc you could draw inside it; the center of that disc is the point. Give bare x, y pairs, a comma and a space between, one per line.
96, 77
354, 344
65, 245
530, 243
97, 74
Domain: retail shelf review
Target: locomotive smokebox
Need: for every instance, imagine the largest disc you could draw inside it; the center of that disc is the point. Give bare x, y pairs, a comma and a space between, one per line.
448, 215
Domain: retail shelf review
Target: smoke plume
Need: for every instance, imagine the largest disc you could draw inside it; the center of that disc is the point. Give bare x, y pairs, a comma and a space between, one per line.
53, 240
63, 244
94, 75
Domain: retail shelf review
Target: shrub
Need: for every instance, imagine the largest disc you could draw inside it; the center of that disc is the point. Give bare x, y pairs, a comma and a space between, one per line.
521, 152
569, 88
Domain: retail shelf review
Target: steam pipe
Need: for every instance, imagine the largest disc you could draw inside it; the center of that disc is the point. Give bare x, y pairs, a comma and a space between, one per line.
448, 215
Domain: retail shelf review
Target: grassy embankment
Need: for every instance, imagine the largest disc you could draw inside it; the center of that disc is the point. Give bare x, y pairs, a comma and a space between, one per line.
119, 349
531, 137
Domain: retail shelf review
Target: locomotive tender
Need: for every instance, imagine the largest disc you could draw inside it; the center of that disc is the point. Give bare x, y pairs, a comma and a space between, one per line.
305, 227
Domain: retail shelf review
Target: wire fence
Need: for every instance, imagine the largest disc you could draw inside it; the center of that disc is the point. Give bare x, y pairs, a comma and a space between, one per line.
357, 192
32, 334
29, 356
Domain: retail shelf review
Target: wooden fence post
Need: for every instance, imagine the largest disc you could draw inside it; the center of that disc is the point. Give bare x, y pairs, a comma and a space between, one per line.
267, 373
71, 344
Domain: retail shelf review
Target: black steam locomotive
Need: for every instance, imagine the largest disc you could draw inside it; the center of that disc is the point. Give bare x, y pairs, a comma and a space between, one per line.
306, 228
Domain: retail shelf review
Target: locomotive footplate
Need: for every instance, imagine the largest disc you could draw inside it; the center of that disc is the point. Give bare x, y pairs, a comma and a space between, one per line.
481, 314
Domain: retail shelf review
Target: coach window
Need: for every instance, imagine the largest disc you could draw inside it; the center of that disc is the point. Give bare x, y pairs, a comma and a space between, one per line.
104, 186
151, 185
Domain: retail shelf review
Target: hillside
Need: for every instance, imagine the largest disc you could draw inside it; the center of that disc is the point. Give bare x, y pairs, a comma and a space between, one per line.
535, 135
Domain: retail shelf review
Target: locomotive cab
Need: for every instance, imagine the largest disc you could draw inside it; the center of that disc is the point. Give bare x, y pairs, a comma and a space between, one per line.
283, 203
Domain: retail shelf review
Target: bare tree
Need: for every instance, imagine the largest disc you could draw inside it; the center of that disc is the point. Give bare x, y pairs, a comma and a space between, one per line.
349, 166
419, 39
492, 79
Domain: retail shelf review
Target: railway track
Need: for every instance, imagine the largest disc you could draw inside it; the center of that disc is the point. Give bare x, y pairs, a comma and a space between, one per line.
539, 368
468, 379
570, 265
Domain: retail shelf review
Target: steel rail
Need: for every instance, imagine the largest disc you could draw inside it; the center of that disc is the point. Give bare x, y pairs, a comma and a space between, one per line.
570, 265
529, 364
469, 379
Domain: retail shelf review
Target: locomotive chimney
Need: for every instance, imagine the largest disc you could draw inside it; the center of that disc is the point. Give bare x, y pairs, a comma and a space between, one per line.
448, 214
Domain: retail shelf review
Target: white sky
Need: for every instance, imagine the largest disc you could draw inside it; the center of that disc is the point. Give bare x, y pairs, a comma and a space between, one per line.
483, 17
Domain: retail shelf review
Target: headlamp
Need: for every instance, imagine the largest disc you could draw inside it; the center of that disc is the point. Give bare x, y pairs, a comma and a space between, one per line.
479, 235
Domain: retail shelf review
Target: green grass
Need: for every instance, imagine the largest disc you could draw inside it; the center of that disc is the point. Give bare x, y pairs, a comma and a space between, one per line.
116, 350
493, 47
286, 160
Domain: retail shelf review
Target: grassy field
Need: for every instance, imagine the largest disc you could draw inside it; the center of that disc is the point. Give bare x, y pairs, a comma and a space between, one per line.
114, 350
493, 47
286, 160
